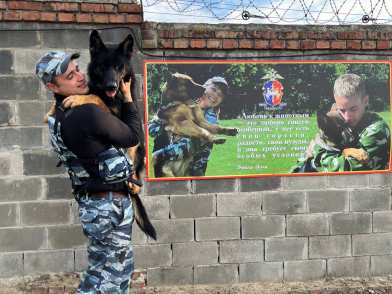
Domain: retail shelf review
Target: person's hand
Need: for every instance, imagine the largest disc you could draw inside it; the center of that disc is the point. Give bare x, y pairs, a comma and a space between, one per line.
125, 88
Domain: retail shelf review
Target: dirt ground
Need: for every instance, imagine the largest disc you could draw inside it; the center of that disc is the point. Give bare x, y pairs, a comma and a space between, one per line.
65, 283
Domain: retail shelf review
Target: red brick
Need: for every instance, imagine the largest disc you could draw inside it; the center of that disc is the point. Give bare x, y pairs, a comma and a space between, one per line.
246, 44
117, 18
292, 44
58, 6
354, 44
39, 290
261, 44
1, 15
200, 34
384, 44
100, 18
338, 44
198, 43
308, 44
372, 35
227, 34
181, 43
214, 44
69, 290
12, 15
133, 18
99, 8
48, 16
166, 43
277, 44
229, 44
3, 5
289, 35
353, 35
320, 44
369, 45
24, 5
30, 15
56, 290
170, 33
66, 17
319, 35
130, 8
83, 17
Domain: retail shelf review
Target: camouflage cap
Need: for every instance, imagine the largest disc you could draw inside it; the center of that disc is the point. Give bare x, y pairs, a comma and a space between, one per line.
216, 79
53, 64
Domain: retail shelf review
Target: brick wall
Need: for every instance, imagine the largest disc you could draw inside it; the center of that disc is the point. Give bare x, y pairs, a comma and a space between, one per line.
211, 231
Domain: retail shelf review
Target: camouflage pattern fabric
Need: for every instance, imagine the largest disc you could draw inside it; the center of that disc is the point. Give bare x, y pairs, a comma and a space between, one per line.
107, 223
373, 136
178, 148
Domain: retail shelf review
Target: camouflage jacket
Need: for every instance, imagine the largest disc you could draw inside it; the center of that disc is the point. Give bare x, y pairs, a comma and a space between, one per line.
180, 146
373, 136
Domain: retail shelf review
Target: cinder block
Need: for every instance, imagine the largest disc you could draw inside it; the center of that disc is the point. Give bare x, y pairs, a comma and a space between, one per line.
256, 227
193, 206
349, 267
41, 163
81, 260
157, 207
328, 201
64, 237
152, 256
239, 204
214, 186
6, 65
260, 184
372, 244
216, 274
8, 215
284, 202
58, 187
19, 88
30, 113
11, 164
219, 228
49, 261
307, 225
20, 239
261, 272
170, 276
351, 223
239, 251
6, 113
70, 39
138, 237
25, 59
381, 265
382, 221
305, 270
277, 249
304, 183
329, 246
379, 180
22, 137
18, 39
348, 181
167, 188
25, 189
191, 253
175, 230
39, 213
370, 199
11, 265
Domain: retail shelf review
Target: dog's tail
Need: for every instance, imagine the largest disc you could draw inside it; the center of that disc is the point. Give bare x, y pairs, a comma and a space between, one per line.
141, 217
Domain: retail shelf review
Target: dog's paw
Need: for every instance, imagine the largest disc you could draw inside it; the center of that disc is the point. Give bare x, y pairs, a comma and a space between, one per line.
219, 140
231, 131
357, 153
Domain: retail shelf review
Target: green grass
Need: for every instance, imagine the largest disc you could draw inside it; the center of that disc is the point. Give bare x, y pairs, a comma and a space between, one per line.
227, 160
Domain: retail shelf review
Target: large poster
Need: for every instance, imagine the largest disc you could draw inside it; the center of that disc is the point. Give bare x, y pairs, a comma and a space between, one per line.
211, 119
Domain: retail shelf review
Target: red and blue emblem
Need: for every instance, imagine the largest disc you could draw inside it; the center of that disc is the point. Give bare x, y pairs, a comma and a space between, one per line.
273, 92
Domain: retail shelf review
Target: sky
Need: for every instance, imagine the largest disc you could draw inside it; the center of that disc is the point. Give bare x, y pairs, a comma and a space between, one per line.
319, 12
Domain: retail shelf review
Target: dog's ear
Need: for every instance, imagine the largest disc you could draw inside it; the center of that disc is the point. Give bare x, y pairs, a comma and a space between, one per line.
96, 44
126, 46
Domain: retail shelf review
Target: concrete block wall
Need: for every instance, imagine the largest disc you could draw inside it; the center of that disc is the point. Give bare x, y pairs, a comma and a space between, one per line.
209, 231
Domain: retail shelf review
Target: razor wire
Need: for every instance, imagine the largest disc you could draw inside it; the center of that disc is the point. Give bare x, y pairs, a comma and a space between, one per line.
317, 12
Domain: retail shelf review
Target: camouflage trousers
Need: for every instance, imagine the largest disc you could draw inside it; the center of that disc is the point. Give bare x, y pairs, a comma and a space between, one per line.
107, 223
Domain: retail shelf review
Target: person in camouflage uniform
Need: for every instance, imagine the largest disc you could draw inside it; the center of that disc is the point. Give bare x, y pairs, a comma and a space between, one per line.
88, 143
370, 131
173, 147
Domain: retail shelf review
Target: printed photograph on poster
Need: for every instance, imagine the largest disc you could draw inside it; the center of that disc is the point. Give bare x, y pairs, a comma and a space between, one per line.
211, 119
